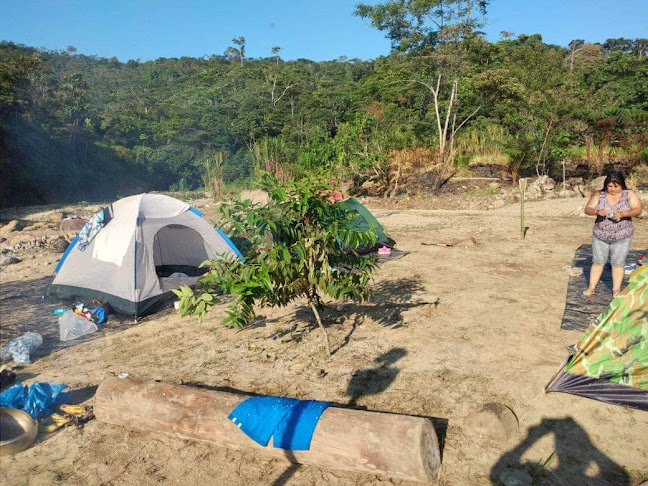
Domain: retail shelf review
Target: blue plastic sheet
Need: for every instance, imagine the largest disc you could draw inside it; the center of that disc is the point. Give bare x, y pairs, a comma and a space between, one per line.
38, 400
291, 421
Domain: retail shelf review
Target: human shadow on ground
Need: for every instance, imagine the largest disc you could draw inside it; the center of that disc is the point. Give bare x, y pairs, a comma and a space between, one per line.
574, 452
373, 381
366, 382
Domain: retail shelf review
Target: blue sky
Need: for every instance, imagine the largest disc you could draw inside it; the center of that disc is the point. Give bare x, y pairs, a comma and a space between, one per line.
311, 29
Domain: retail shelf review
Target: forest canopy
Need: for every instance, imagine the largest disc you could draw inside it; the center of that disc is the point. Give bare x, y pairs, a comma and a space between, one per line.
77, 127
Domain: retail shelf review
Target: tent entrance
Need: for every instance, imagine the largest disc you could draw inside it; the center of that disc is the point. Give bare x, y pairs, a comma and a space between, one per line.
177, 253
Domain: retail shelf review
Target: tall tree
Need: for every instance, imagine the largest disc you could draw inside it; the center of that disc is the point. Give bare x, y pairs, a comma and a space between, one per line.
416, 24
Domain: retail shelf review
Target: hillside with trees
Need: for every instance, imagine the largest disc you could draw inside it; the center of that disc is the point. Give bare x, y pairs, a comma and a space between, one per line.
75, 127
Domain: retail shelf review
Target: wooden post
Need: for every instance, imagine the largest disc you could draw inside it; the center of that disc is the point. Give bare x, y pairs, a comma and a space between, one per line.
523, 184
399, 446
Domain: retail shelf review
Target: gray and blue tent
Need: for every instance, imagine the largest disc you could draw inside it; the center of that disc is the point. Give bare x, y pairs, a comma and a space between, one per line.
151, 245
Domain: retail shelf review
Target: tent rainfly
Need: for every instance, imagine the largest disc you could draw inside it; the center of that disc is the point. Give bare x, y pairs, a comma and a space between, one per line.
366, 221
611, 359
134, 252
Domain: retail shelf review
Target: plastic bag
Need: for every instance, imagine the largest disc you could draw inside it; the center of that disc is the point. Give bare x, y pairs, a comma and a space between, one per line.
99, 315
38, 400
72, 326
21, 348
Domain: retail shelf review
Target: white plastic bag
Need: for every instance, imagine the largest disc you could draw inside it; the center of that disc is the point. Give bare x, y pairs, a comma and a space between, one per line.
72, 326
21, 348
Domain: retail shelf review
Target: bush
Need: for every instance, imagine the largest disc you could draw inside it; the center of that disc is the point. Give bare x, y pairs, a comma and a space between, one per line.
300, 246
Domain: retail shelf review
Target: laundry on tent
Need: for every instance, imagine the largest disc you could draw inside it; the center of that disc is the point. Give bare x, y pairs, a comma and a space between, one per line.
151, 245
610, 362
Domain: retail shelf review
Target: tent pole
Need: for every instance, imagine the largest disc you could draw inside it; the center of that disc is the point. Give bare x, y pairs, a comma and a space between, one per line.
558, 371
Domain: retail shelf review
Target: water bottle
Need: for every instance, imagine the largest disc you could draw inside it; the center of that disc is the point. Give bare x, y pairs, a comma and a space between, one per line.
59, 311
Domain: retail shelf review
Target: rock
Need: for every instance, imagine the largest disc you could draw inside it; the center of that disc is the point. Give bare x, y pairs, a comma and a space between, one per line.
533, 194
468, 242
597, 184
567, 193
11, 226
59, 244
2, 240
9, 260
543, 183
258, 196
72, 224
35, 227
498, 204
494, 185
55, 217
495, 421
515, 477
583, 190
512, 198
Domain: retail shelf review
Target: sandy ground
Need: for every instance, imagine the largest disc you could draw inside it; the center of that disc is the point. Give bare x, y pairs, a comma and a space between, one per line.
487, 330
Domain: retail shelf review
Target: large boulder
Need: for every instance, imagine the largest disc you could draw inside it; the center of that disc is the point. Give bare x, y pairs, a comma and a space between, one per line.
9, 260
55, 217
597, 184
543, 183
59, 245
71, 224
39, 225
257, 196
11, 226
566, 193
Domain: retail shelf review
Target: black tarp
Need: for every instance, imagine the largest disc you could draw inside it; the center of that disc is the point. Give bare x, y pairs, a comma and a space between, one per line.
580, 311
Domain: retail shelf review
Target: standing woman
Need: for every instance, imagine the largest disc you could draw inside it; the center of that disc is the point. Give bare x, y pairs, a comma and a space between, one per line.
614, 207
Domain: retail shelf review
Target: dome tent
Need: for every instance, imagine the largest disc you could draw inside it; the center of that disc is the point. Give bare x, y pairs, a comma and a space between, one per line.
366, 221
151, 245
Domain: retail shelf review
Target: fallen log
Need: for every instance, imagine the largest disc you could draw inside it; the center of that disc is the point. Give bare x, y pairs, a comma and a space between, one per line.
399, 446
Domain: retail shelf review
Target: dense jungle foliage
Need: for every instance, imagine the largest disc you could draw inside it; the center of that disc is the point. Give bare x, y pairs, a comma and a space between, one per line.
77, 127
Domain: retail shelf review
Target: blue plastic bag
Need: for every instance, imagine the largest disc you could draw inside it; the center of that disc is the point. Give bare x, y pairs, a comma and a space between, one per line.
99, 315
38, 400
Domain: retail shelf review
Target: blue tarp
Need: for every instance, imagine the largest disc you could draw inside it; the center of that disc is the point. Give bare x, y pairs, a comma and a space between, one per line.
291, 421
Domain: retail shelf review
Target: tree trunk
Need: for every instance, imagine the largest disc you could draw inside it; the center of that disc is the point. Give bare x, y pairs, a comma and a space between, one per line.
313, 307
399, 446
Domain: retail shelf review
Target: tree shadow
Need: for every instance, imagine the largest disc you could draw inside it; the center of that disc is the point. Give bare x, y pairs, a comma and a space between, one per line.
574, 453
391, 298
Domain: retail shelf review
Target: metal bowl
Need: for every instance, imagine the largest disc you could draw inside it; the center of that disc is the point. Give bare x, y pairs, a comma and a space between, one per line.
17, 431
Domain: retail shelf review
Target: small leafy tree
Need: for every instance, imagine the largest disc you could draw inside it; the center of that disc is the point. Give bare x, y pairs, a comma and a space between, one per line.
300, 247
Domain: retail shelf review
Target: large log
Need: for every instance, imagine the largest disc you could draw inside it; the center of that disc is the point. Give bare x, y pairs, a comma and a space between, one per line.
400, 446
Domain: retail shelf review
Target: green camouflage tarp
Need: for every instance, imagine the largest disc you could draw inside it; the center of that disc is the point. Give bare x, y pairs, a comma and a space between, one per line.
611, 358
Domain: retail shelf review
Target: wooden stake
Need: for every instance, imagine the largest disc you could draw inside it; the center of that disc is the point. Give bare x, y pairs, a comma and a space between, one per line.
523, 184
399, 446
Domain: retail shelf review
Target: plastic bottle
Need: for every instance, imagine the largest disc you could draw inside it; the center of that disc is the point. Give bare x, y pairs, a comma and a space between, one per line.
59, 312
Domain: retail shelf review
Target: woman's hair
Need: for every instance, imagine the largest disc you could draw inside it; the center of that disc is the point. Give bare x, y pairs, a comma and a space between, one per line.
615, 176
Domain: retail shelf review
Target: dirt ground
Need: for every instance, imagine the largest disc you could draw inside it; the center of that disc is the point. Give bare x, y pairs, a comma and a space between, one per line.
456, 328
